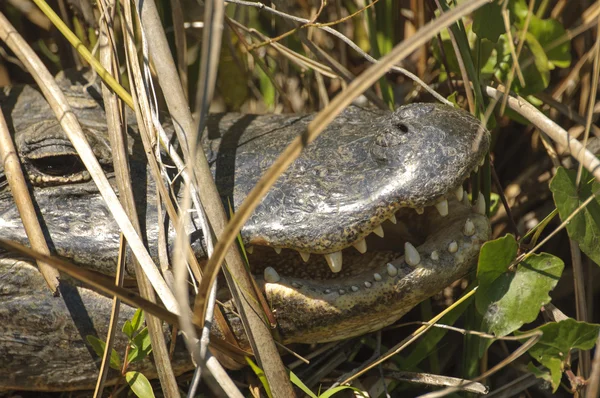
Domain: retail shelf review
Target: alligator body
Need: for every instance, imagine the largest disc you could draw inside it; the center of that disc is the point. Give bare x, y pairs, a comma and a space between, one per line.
370, 171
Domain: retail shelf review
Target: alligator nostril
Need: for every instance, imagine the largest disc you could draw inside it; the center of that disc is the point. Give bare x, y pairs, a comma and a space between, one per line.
403, 127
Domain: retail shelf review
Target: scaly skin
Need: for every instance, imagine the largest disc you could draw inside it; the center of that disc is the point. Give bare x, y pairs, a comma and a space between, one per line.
367, 167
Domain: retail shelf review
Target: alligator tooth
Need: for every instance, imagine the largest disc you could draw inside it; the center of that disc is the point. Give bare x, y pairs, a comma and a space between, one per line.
480, 205
459, 192
305, 256
435, 255
354, 288
361, 246
270, 275
327, 291
377, 276
469, 229
482, 162
334, 260
393, 219
341, 291
391, 270
476, 169
277, 250
411, 255
378, 231
368, 284
420, 210
249, 249
442, 207
466, 199
296, 285
453, 247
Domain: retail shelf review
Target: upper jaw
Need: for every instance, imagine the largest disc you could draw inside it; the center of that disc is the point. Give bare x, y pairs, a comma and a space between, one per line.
420, 158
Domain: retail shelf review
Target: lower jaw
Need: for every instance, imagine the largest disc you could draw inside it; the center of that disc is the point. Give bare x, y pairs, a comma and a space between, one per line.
309, 311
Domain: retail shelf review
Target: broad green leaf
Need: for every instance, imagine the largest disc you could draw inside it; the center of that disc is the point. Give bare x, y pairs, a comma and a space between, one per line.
540, 374
488, 23
494, 259
508, 300
128, 329
548, 32
137, 320
141, 346
99, 346
139, 384
261, 376
540, 68
559, 338
584, 228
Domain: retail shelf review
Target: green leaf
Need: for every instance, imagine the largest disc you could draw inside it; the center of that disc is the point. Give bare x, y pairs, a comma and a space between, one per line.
139, 384
547, 32
137, 321
495, 203
488, 23
329, 393
509, 298
99, 346
494, 259
559, 338
141, 346
128, 329
515, 297
540, 374
584, 228
298, 383
261, 376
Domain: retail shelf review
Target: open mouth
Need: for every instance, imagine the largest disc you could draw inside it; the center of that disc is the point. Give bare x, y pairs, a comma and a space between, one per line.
420, 254
403, 235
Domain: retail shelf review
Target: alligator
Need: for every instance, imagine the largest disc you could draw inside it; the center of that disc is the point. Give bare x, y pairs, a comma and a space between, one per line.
317, 242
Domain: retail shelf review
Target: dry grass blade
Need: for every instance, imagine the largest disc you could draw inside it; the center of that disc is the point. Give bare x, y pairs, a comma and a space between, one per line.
178, 108
287, 157
91, 278
593, 388
116, 132
437, 380
144, 116
112, 326
71, 127
18, 186
553, 130
114, 124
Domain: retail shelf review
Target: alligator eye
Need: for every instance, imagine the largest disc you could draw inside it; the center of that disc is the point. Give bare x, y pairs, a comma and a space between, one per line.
59, 165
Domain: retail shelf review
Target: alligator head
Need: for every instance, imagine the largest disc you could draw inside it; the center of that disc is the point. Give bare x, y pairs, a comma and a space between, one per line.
332, 274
